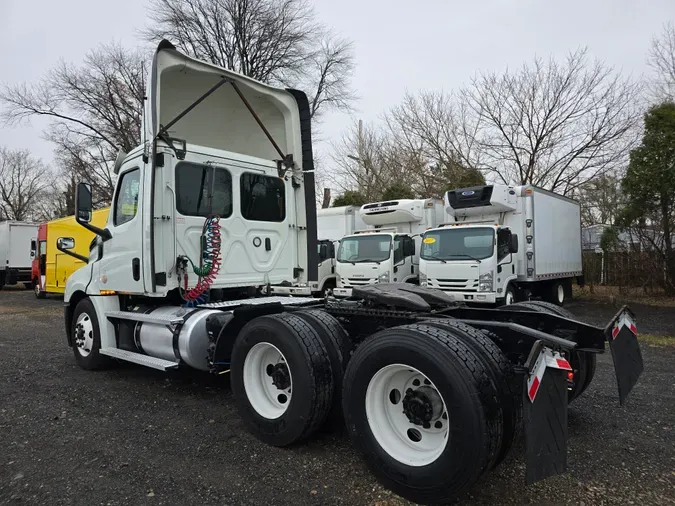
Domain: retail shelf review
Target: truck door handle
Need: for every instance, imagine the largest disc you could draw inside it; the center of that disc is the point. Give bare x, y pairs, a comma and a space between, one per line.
136, 268
268, 244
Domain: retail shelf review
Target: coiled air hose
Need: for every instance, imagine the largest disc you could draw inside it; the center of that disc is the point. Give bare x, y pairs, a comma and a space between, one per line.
209, 262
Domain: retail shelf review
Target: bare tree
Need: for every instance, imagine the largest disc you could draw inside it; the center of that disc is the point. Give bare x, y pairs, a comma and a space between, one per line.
274, 41
95, 110
555, 125
661, 59
22, 180
601, 200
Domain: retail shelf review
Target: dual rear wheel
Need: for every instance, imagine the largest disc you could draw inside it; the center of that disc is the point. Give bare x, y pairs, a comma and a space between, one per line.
432, 406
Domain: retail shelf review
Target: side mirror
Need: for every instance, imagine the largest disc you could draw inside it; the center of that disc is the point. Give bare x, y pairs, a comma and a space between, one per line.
65, 243
513, 243
83, 203
331, 250
33, 248
323, 251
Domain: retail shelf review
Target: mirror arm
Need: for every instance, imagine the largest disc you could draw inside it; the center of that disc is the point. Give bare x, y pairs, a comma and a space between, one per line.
74, 255
103, 232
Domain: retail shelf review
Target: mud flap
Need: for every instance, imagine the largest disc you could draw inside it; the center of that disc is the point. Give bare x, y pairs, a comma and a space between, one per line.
545, 414
621, 334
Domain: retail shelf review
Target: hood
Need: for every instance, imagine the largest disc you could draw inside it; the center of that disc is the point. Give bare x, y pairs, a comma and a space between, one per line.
222, 120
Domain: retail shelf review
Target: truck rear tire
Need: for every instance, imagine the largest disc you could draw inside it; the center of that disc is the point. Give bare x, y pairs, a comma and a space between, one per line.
502, 372
87, 337
336, 341
557, 292
281, 378
420, 406
583, 363
39, 294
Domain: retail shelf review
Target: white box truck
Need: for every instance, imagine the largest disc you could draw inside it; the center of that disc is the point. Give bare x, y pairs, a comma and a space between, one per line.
16, 255
505, 244
388, 251
332, 225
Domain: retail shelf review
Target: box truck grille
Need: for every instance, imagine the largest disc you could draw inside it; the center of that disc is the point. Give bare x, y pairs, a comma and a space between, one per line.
458, 285
360, 281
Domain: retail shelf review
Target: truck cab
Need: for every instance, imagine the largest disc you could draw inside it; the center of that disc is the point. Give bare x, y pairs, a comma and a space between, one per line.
222, 166
389, 251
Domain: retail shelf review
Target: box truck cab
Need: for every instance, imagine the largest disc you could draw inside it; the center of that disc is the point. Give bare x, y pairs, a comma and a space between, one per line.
504, 244
333, 224
388, 252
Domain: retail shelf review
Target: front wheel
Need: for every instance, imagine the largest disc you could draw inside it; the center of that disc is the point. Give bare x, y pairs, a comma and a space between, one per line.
510, 295
417, 403
39, 294
87, 337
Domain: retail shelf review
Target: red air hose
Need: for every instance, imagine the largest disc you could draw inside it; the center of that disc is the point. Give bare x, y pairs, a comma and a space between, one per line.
209, 261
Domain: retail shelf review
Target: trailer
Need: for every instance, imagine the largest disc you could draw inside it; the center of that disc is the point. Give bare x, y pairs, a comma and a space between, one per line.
51, 268
220, 195
505, 244
387, 251
333, 224
16, 240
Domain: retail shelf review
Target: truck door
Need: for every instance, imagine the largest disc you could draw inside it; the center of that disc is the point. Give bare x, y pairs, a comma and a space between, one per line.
121, 266
252, 205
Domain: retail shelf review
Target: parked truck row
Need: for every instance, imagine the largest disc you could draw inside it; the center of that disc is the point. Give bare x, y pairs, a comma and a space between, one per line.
219, 198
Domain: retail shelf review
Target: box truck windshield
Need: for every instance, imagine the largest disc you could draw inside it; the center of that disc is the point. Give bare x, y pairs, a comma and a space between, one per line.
458, 243
365, 248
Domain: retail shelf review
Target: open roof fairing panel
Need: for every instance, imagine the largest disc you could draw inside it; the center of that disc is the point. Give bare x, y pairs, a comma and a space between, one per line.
221, 121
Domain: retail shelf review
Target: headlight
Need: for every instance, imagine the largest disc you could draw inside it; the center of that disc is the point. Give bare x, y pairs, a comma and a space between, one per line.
423, 279
485, 282
383, 278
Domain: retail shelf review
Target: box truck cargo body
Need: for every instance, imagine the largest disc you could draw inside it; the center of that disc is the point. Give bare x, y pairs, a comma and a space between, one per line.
51, 267
16, 238
504, 244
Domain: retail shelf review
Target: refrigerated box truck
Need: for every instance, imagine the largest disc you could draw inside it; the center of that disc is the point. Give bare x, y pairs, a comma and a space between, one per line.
333, 224
51, 267
16, 238
387, 251
504, 244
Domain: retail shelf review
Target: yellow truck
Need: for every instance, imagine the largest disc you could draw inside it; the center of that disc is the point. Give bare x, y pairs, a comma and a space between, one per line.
51, 268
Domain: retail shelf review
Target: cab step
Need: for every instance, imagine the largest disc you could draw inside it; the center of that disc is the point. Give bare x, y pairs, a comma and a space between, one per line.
144, 318
140, 359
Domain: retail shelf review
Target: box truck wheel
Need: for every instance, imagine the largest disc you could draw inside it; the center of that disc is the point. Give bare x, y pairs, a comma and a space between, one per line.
418, 403
281, 378
557, 292
509, 295
2, 280
87, 337
39, 294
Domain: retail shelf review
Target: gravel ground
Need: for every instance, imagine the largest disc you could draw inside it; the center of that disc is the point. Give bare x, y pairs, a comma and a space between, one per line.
135, 436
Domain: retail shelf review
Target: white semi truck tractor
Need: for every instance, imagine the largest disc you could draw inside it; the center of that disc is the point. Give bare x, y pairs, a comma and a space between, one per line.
387, 251
218, 199
333, 224
504, 244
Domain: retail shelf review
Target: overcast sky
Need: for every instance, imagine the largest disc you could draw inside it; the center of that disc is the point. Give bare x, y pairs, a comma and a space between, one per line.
421, 44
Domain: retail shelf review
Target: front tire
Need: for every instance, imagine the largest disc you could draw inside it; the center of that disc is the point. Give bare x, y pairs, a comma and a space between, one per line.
281, 378
420, 406
87, 337
510, 296
39, 294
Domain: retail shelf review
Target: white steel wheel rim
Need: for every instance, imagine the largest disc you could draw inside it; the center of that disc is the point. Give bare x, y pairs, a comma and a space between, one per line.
36, 288
408, 443
84, 334
265, 397
509, 297
561, 294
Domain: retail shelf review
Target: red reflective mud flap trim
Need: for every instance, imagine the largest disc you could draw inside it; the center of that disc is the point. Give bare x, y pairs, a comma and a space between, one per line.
621, 334
545, 421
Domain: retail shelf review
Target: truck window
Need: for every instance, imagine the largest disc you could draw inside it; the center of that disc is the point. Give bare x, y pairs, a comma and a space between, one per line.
126, 200
203, 190
398, 250
364, 248
458, 244
263, 198
502, 244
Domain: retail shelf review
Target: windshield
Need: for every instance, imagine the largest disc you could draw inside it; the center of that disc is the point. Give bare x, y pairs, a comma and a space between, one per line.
364, 248
458, 243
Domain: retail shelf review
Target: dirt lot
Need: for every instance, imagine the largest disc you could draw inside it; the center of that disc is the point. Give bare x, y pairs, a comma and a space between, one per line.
136, 436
